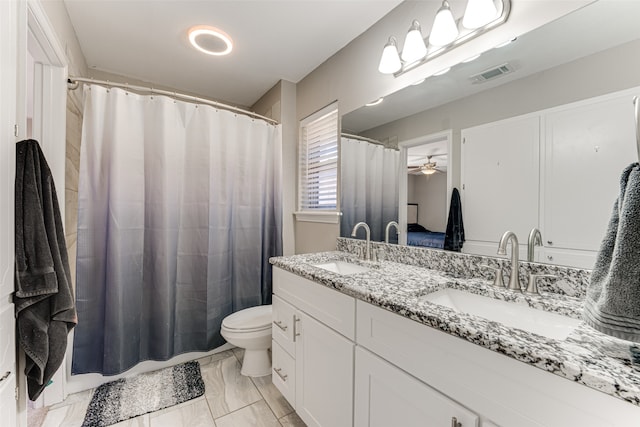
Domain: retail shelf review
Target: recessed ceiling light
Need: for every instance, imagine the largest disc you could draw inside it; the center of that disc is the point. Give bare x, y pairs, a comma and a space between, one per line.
210, 40
376, 102
419, 82
441, 72
473, 58
508, 42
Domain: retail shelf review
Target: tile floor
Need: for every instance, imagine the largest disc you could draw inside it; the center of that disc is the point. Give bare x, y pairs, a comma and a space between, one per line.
230, 400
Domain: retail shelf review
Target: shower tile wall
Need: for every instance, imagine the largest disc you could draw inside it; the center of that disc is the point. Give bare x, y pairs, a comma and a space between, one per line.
72, 168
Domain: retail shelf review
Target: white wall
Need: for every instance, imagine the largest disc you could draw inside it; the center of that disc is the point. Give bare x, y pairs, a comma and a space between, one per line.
430, 193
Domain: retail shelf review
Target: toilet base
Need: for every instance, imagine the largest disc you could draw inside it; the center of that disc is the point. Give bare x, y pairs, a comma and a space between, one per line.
256, 363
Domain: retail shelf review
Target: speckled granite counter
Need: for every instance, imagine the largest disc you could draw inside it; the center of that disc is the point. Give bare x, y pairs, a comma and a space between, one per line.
586, 356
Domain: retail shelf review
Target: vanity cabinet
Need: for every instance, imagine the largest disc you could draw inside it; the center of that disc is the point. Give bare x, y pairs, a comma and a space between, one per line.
556, 169
471, 380
387, 396
313, 349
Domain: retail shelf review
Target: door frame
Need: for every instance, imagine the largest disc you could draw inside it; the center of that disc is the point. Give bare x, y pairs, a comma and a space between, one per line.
446, 135
38, 37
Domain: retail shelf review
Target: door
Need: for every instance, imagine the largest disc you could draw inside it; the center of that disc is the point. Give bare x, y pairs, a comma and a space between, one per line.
324, 374
500, 172
386, 396
8, 84
599, 135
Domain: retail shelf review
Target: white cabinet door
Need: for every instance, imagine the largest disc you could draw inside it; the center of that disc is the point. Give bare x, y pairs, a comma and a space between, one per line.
599, 136
500, 173
324, 375
386, 396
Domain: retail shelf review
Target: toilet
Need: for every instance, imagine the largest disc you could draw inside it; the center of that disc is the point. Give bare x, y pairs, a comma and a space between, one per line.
251, 329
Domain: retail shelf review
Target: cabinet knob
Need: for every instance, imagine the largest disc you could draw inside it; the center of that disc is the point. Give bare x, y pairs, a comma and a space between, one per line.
549, 257
455, 423
549, 242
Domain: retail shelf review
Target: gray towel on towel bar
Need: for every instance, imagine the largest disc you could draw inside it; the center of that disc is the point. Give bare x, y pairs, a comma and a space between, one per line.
44, 303
612, 305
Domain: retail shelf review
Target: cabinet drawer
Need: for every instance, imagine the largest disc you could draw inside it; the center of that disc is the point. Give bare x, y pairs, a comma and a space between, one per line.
329, 306
284, 372
283, 324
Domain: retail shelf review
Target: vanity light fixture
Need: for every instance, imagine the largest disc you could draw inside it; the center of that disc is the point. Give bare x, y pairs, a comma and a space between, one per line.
479, 13
210, 40
446, 34
445, 29
414, 47
374, 103
390, 61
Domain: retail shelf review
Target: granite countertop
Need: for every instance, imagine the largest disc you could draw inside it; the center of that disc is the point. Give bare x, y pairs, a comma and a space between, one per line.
585, 356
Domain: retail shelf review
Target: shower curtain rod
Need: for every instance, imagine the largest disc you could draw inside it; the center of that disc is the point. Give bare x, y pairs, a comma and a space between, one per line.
73, 83
363, 138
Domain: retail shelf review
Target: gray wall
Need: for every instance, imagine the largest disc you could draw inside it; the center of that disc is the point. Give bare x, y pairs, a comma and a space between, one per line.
608, 71
279, 103
430, 193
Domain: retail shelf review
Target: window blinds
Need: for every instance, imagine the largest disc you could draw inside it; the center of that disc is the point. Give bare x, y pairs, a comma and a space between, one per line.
319, 161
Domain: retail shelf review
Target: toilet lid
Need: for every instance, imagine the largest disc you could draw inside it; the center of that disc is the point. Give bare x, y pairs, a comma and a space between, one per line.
249, 319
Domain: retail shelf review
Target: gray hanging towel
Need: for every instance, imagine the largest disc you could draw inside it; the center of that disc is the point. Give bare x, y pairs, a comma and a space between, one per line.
44, 303
612, 305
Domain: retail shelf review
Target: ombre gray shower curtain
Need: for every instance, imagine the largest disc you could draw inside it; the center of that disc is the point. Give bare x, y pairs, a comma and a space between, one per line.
179, 211
369, 187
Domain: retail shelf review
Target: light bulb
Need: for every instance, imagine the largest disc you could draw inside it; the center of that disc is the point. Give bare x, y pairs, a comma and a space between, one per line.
479, 13
390, 60
414, 48
444, 30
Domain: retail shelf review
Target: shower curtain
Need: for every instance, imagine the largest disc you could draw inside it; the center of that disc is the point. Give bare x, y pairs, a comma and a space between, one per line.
369, 187
179, 211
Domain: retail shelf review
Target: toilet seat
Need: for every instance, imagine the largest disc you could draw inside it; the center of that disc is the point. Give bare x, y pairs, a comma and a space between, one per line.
252, 319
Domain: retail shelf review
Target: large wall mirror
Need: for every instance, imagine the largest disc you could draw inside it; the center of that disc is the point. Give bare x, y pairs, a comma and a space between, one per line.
589, 53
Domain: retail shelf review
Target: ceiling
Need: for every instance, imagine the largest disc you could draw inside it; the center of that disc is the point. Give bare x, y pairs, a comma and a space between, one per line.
273, 40
417, 155
594, 28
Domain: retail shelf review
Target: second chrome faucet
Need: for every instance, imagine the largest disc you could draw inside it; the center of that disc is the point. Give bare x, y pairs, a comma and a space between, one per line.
514, 278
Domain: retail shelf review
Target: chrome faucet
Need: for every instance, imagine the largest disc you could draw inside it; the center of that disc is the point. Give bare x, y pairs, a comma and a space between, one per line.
514, 279
368, 232
386, 230
535, 239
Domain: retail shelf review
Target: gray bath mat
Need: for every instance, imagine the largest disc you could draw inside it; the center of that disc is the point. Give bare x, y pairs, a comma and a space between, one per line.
131, 397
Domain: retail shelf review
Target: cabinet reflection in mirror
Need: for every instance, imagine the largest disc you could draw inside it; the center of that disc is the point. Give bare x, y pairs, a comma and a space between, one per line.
542, 146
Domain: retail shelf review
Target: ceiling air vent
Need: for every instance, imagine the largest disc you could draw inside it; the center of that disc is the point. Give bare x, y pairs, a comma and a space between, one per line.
492, 73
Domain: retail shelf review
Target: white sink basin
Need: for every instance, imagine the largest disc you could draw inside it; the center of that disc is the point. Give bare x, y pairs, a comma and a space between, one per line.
514, 315
342, 267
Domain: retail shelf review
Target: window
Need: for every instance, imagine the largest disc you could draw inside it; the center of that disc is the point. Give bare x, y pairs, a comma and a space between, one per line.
318, 170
